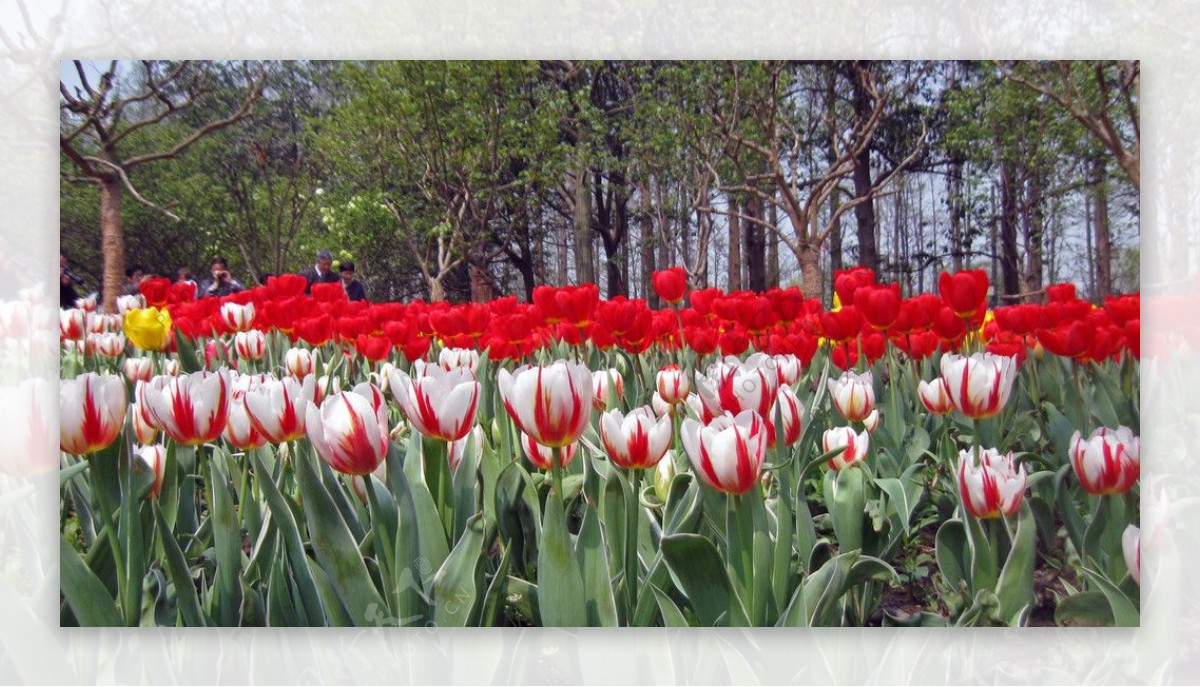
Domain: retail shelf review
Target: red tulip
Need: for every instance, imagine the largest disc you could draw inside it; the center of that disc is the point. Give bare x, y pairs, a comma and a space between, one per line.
965, 292
847, 282
1060, 293
156, 291
879, 305
91, 412
373, 348
671, 284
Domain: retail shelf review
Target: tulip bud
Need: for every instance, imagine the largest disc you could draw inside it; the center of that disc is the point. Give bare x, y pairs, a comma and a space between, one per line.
728, 452
171, 367
130, 302
109, 345
300, 362
601, 384
856, 446
138, 369
72, 324
979, 386
788, 368
191, 409
451, 358
458, 448
155, 458
871, 422
440, 403
348, 433
542, 456
250, 345
853, 395
552, 403
359, 485
672, 384
935, 396
1131, 546
637, 440
237, 317
664, 474
791, 412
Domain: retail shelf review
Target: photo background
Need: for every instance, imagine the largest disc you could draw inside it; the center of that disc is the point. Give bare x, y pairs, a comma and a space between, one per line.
1163, 35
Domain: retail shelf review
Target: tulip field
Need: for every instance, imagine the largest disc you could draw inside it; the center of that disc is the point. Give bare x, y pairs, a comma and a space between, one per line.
733, 459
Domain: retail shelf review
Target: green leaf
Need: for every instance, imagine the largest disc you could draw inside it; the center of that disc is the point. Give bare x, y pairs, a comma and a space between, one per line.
178, 572
492, 599
227, 537
454, 582
951, 551
185, 351
671, 615
310, 610
846, 497
84, 592
698, 572
560, 584
597, 579
1014, 589
335, 549
1123, 611
1086, 609
519, 515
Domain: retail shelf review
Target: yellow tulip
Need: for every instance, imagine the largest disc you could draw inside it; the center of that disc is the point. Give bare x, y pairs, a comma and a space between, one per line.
148, 328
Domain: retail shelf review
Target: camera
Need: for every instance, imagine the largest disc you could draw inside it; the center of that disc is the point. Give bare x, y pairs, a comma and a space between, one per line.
72, 276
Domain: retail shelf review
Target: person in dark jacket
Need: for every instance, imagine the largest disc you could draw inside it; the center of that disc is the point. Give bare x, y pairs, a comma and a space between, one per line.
320, 273
221, 283
68, 280
354, 288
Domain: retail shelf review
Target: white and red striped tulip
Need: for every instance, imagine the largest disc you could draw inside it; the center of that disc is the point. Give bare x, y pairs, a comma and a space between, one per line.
749, 385
1131, 546
637, 440
276, 408
551, 403
991, 487
791, 412
935, 396
171, 367
871, 422
857, 445
788, 367
107, 344
300, 362
359, 483
240, 431
1107, 462
728, 452
155, 458
145, 427
250, 345
600, 386
440, 403
191, 409
706, 402
660, 406
542, 456
72, 324
326, 386
130, 302
91, 410
672, 384
853, 395
980, 385
237, 317
348, 433
451, 358
458, 448
87, 303
138, 369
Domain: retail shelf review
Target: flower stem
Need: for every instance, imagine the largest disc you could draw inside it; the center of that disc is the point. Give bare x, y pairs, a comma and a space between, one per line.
631, 542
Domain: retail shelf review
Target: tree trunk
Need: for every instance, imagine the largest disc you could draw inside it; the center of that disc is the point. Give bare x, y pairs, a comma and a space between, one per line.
584, 271
735, 249
437, 291
954, 183
1008, 232
1032, 217
864, 213
809, 259
1103, 236
112, 235
482, 290
649, 244
755, 256
773, 249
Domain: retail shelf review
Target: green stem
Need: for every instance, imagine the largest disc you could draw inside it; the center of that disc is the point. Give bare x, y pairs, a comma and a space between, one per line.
631, 542
556, 476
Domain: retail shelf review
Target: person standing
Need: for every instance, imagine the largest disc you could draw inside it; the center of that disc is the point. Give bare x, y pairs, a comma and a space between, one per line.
222, 283
320, 273
67, 295
354, 288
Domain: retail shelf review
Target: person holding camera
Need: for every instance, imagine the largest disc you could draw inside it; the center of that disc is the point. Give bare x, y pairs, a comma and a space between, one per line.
68, 280
221, 283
